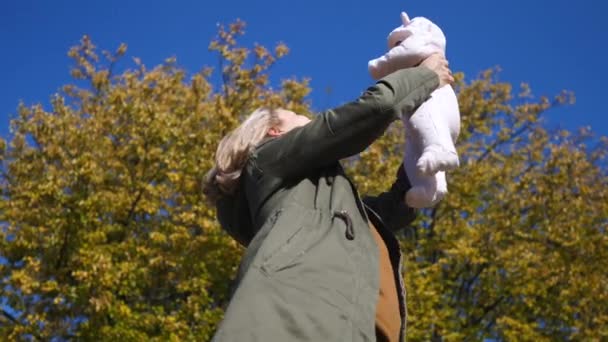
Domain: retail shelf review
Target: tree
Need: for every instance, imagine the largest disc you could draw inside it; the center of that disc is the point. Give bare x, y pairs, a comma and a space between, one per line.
518, 250
106, 234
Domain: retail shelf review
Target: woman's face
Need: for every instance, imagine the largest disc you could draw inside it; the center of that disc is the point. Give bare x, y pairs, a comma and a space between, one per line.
288, 120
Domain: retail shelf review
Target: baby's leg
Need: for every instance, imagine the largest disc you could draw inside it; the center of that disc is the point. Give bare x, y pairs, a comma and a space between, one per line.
426, 190
433, 132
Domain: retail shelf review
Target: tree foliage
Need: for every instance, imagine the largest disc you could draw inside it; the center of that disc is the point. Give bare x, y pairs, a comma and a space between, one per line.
518, 249
106, 234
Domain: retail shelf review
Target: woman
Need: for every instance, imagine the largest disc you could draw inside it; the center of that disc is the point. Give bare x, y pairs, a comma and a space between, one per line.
321, 264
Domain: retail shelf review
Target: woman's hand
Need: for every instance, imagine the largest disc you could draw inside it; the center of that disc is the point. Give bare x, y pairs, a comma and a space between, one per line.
439, 65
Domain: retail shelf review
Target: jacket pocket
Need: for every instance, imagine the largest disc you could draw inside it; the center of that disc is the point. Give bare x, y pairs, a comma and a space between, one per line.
294, 233
257, 245
286, 255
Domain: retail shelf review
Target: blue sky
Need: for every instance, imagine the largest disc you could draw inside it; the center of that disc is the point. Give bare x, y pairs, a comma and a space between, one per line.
552, 45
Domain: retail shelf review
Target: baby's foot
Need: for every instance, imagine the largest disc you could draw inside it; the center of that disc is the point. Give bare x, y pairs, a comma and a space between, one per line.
435, 158
421, 197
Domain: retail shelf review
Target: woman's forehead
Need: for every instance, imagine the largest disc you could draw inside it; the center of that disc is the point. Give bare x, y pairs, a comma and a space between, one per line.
285, 112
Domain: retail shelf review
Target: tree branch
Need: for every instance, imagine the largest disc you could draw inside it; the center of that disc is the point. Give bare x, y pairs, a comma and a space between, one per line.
499, 142
16, 321
431, 233
10, 317
486, 309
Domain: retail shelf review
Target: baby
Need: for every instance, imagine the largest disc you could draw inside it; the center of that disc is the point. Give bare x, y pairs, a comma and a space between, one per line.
430, 133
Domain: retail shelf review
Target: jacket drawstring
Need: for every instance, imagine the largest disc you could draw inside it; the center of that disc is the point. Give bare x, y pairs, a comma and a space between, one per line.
350, 230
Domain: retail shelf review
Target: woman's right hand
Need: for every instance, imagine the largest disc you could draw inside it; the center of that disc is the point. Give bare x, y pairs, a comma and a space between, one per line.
437, 63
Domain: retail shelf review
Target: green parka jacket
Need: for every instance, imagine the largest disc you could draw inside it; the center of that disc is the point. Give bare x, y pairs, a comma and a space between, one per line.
310, 270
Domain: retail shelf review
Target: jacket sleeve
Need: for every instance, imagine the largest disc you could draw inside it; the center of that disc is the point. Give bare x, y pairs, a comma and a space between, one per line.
349, 129
390, 206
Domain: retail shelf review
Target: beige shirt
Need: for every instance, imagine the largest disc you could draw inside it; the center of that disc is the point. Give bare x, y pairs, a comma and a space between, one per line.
388, 318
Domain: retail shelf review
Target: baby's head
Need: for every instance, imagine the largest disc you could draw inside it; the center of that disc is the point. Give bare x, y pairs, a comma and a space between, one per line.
408, 45
418, 36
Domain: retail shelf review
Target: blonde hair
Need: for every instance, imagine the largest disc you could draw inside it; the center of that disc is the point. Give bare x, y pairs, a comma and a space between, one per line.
233, 152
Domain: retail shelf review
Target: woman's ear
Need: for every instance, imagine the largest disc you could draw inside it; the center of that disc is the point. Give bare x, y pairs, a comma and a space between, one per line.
274, 132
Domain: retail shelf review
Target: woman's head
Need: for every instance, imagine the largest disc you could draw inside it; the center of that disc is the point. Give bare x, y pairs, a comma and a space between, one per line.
234, 149
288, 120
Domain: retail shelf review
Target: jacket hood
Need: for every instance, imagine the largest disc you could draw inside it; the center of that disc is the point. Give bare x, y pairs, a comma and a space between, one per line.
234, 216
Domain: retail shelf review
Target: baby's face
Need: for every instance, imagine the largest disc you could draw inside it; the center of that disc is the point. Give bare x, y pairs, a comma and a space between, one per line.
398, 35
419, 34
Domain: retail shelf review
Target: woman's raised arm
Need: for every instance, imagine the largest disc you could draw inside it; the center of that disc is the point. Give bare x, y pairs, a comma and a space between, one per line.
348, 129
